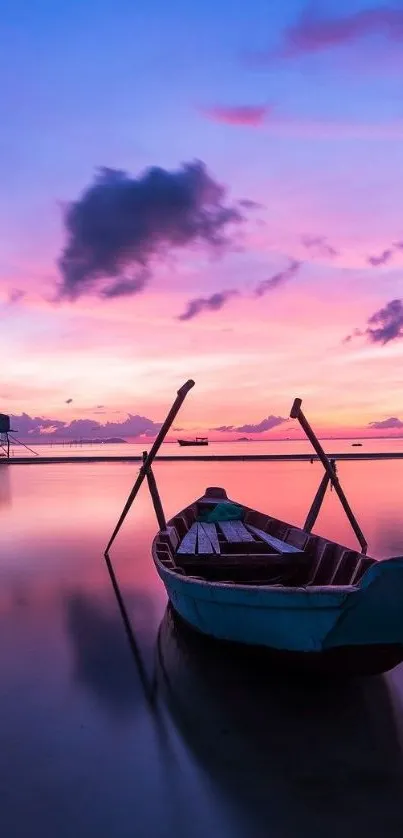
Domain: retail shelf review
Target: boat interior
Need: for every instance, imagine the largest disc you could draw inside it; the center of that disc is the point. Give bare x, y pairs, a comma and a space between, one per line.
253, 550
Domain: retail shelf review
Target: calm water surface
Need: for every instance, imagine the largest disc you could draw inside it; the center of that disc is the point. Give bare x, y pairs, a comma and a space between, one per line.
220, 751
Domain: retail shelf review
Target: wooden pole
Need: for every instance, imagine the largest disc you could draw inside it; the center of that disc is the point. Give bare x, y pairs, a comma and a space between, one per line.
152, 485
317, 501
182, 393
296, 413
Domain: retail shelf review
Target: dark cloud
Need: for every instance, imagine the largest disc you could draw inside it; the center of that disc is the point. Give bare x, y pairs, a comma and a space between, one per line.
39, 427
100, 406
213, 303
382, 259
315, 32
265, 425
392, 422
277, 279
383, 326
69, 401
121, 224
387, 323
319, 245
249, 115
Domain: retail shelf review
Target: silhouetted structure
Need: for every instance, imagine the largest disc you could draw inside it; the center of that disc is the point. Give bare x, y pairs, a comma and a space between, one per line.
5, 436
5, 429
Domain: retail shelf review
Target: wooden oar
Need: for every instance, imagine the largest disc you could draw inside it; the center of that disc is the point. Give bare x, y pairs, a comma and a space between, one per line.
296, 413
182, 393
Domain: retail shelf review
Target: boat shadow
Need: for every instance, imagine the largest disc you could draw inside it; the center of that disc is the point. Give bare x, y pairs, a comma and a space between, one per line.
291, 758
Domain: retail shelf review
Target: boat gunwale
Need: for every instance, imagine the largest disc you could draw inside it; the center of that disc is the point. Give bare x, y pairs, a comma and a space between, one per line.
238, 586
311, 590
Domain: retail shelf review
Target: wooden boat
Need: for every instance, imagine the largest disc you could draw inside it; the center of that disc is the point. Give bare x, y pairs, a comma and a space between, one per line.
199, 440
259, 581
243, 577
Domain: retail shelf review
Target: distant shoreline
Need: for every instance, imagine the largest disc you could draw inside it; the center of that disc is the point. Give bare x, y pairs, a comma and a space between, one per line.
116, 440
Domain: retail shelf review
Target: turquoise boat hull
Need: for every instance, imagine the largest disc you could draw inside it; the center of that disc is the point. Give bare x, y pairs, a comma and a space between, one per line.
295, 619
357, 627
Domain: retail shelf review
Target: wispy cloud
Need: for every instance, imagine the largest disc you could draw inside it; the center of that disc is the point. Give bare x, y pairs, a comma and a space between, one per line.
126, 287
279, 124
278, 279
15, 295
220, 298
383, 326
120, 224
319, 244
213, 303
385, 424
251, 428
382, 259
247, 203
315, 32
247, 115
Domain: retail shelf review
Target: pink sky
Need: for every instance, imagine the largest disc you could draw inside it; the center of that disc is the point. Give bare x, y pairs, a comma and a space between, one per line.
249, 360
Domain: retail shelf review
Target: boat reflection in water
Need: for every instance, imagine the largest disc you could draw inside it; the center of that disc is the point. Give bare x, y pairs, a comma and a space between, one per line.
291, 759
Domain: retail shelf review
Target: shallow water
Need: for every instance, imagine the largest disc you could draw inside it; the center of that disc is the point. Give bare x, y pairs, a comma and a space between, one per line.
84, 751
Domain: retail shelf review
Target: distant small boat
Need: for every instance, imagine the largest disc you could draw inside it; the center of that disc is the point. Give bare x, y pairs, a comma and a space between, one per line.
356, 444
199, 440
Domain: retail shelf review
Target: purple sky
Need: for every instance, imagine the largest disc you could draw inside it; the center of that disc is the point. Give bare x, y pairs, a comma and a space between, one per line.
297, 112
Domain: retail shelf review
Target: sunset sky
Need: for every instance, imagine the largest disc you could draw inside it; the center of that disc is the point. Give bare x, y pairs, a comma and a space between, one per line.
263, 258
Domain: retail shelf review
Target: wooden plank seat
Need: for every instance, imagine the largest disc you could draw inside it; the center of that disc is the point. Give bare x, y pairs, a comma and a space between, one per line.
229, 549
211, 533
276, 543
204, 544
235, 532
232, 538
189, 541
